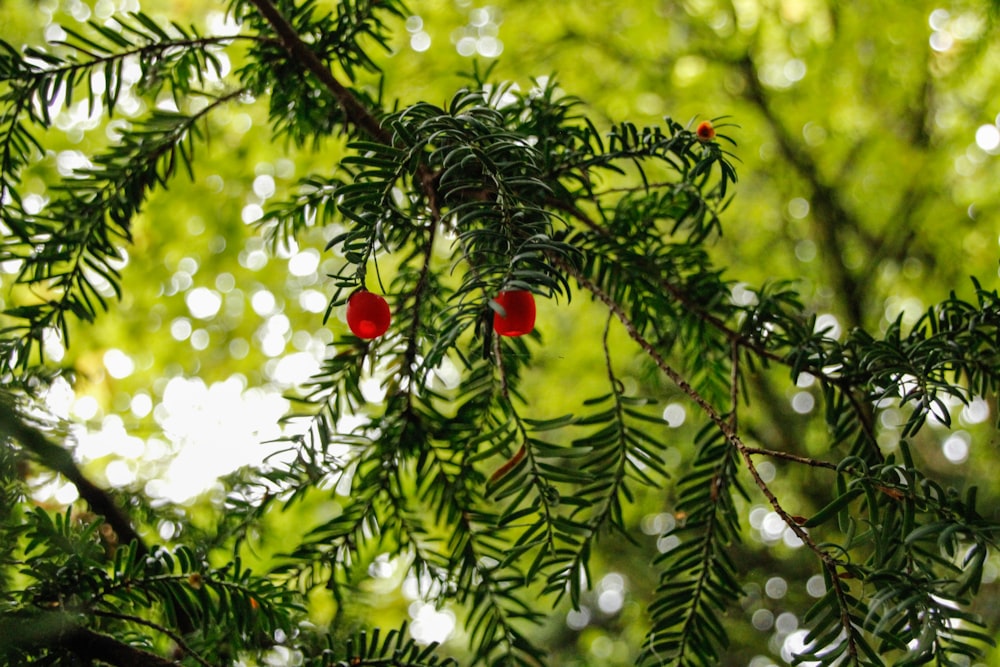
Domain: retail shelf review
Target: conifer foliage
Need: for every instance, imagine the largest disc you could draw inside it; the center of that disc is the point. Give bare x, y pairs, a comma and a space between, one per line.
498, 506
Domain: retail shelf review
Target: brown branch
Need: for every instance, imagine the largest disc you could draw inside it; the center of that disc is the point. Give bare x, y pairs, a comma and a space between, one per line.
355, 112
92, 645
794, 458
181, 644
716, 417
59, 631
59, 460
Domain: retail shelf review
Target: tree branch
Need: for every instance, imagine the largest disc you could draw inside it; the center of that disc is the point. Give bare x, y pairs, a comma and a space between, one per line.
58, 459
355, 112
831, 215
59, 631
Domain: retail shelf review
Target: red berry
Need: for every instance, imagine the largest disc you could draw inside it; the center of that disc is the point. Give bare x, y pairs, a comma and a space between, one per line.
705, 131
367, 314
519, 313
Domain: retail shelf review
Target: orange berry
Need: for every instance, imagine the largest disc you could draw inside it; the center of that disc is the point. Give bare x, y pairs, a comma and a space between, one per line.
705, 131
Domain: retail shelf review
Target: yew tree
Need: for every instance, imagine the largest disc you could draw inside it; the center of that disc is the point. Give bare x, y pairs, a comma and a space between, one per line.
450, 430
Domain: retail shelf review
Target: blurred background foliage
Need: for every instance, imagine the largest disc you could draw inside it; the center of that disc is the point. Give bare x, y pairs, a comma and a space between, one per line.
868, 143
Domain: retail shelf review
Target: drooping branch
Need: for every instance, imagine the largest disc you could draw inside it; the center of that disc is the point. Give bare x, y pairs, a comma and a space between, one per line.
58, 459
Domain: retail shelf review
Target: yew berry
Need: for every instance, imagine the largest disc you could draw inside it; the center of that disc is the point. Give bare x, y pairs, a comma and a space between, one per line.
367, 314
518, 316
705, 131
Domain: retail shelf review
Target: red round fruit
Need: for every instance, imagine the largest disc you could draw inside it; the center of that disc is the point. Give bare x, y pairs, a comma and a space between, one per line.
367, 314
705, 131
518, 316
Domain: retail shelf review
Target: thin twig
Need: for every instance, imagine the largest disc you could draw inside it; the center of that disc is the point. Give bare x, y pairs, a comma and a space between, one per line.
795, 458
159, 628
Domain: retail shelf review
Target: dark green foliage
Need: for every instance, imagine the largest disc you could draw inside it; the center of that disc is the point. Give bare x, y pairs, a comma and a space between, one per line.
493, 504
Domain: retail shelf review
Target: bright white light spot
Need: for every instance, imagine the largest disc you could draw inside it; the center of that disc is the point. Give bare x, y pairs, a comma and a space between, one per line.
805, 380
480, 17
141, 405
85, 408
762, 619
578, 619
794, 644
430, 625
68, 162
757, 516
798, 208
225, 282
180, 328
312, 301
743, 296
829, 324
279, 324
657, 524
382, 567
59, 398
976, 412
119, 473
263, 186
252, 213
786, 623
200, 339
794, 70
466, 46
448, 374
941, 40
295, 368
66, 494
420, 41
988, 138
803, 402
262, 302
304, 263
674, 414
816, 586
414, 24
255, 260
239, 348
667, 543
767, 471
612, 581
418, 588
204, 303
118, 364
54, 33
489, 47
272, 344
216, 429
52, 345
32, 204
791, 540
939, 19
611, 596
776, 587
610, 601
372, 389
772, 527
956, 447
222, 24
